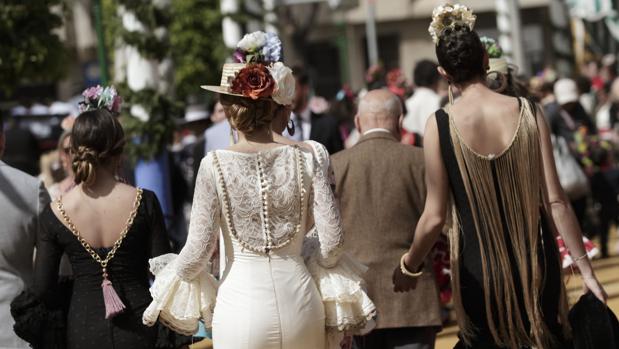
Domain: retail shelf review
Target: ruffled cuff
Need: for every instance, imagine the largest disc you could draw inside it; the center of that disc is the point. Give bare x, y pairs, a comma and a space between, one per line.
37, 324
177, 303
347, 306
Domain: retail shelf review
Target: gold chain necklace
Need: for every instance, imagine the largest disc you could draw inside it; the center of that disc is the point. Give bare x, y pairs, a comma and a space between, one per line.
113, 304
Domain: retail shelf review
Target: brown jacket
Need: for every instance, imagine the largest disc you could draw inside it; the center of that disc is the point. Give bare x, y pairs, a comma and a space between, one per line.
380, 185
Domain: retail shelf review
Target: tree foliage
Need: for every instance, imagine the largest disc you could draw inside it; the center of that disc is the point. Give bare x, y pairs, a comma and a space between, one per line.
30, 50
197, 45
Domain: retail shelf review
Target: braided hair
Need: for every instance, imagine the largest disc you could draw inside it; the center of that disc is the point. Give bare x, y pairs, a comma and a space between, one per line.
247, 115
96, 139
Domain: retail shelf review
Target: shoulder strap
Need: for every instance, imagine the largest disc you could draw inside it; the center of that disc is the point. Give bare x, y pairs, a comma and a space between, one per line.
442, 122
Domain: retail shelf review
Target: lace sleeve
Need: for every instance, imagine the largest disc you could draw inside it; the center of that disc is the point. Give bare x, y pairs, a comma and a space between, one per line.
203, 226
326, 214
183, 291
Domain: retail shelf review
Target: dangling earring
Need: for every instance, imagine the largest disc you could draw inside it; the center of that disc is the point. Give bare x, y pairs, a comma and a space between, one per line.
290, 127
450, 93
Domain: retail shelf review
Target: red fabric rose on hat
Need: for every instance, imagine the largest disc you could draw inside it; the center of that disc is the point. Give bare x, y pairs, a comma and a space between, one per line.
253, 81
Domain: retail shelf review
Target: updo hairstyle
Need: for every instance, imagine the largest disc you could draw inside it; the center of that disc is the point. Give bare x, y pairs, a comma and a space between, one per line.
461, 54
96, 139
247, 115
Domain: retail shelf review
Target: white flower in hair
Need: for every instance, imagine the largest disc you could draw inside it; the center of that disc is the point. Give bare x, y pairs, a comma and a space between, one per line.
449, 16
252, 41
284, 83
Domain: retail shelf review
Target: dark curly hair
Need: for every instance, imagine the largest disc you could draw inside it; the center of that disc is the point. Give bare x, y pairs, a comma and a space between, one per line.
461, 54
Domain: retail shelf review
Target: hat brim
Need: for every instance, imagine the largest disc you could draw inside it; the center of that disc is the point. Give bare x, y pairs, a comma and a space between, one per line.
221, 90
224, 91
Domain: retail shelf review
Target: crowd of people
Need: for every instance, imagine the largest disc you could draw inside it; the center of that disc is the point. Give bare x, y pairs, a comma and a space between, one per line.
303, 223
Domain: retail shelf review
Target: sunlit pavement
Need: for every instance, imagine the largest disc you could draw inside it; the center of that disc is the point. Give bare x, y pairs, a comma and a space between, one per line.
607, 271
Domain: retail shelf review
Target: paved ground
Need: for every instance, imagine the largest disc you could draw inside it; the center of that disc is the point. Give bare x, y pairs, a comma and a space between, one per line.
607, 271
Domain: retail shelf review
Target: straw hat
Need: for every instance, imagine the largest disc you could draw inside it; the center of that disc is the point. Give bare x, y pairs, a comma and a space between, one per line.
228, 73
260, 53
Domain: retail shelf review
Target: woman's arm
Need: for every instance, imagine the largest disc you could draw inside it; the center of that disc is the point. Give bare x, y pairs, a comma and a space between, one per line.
434, 214
159, 243
204, 224
47, 261
562, 214
326, 213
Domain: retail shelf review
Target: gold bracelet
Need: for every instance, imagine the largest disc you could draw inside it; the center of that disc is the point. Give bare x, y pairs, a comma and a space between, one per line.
579, 258
406, 271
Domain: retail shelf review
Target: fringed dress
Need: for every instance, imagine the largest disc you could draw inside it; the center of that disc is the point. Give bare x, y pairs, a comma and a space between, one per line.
508, 289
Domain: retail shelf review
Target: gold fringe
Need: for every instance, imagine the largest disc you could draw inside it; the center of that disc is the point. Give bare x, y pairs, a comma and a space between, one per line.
521, 193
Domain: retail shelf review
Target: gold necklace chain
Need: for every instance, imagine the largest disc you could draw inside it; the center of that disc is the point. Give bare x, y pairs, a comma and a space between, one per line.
228, 206
87, 247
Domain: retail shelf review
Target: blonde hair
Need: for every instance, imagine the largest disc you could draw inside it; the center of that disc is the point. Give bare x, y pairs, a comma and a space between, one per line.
247, 115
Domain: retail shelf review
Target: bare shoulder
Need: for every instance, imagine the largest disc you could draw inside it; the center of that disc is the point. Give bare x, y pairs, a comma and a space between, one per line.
503, 103
126, 190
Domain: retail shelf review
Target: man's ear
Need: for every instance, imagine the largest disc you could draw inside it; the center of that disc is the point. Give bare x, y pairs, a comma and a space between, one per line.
358, 124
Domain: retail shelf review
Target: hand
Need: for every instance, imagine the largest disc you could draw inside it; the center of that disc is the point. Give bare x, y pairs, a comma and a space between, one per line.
346, 342
591, 283
401, 282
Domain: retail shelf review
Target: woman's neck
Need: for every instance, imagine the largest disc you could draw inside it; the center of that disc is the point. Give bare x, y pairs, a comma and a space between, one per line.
105, 181
264, 135
473, 87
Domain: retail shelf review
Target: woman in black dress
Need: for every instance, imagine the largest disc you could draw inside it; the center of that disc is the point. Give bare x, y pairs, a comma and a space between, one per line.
109, 230
493, 154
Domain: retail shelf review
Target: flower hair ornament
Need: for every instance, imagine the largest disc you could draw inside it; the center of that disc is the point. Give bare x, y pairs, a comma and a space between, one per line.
449, 17
258, 72
99, 97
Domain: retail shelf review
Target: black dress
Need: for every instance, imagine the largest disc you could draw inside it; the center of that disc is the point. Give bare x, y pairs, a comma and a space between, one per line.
470, 265
86, 326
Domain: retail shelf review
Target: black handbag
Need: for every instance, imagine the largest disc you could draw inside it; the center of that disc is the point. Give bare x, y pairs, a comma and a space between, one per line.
594, 325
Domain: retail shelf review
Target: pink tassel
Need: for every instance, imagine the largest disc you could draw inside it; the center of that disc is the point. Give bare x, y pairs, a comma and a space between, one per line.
113, 304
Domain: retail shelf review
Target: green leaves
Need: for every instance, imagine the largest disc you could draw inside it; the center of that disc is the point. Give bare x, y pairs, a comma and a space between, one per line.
197, 45
151, 137
30, 50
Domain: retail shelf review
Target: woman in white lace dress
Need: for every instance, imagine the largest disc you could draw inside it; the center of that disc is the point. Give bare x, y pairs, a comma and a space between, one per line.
264, 196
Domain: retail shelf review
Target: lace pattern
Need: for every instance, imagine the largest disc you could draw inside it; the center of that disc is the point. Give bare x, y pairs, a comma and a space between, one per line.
204, 224
295, 185
281, 192
326, 213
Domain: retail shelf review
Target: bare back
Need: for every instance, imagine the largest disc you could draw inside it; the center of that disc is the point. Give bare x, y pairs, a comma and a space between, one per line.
100, 219
489, 127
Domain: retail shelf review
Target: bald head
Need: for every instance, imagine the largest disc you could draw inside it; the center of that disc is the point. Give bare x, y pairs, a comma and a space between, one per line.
379, 109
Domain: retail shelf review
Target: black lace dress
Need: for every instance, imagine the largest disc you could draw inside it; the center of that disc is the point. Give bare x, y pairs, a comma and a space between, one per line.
86, 326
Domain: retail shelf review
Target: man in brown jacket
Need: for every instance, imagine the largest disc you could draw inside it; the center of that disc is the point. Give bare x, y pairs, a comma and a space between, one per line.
380, 185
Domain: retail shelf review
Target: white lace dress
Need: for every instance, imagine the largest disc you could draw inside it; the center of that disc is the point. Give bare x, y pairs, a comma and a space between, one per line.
269, 296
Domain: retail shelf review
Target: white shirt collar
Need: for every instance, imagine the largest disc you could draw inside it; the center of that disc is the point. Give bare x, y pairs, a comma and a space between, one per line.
374, 130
